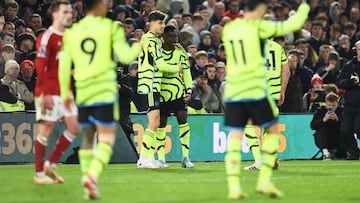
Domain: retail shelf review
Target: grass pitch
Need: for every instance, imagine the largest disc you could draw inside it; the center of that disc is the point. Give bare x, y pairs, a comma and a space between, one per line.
301, 181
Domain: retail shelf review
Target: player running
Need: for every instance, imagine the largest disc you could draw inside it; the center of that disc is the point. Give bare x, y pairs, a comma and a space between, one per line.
48, 103
89, 47
246, 94
175, 93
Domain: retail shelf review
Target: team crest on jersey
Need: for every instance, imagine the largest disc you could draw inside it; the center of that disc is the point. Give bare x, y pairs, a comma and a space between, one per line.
42, 51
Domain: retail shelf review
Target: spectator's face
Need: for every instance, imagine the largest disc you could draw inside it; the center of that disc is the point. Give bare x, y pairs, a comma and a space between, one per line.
28, 71
303, 47
9, 28
324, 53
292, 61
29, 44
12, 72
75, 16
344, 43
216, 33
121, 16
187, 20
234, 7
133, 72
354, 15
316, 31
358, 51
2, 23
349, 32
9, 40
206, 40
31, 2
178, 19
333, 62
149, 7
202, 81
138, 34
336, 10
307, 25
8, 55
36, 23
329, 104
343, 4
64, 15
19, 29
192, 51
302, 59
219, 10
211, 72
221, 54
11, 13
220, 72
128, 28
201, 61
317, 85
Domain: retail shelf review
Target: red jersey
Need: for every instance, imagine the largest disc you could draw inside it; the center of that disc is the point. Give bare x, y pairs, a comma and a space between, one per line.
48, 47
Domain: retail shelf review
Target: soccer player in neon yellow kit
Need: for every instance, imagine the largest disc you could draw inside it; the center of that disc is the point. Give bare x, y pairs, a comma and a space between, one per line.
89, 47
151, 66
278, 76
246, 94
175, 93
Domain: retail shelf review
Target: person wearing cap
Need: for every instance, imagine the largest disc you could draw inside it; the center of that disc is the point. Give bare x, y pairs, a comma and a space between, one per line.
27, 69
349, 80
315, 97
16, 87
200, 89
205, 41
201, 59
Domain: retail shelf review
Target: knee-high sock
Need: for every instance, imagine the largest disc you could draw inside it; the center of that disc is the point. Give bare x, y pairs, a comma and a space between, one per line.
148, 144
160, 143
85, 157
252, 142
184, 132
101, 158
232, 164
61, 146
268, 157
40, 145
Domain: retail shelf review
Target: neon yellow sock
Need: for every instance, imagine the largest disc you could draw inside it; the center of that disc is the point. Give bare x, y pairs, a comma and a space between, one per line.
252, 141
148, 144
268, 157
160, 143
85, 157
101, 158
184, 132
232, 163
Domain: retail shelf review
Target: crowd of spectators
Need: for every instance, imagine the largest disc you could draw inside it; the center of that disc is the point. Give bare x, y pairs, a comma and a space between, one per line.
320, 49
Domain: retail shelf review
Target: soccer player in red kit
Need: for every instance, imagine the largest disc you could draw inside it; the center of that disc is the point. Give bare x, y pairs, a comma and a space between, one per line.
48, 103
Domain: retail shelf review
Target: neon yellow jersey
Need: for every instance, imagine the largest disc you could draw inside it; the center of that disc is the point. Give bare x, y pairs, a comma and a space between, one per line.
151, 64
89, 46
275, 58
245, 53
174, 85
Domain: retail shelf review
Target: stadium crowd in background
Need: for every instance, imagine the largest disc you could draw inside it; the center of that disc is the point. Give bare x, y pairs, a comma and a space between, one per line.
323, 46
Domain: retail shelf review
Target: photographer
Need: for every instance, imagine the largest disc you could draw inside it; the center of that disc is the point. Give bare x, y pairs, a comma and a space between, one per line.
326, 123
349, 80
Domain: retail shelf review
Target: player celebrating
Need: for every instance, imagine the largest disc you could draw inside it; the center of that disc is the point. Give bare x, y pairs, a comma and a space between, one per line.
151, 66
246, 90
278, 77
89, 46
49, 105
175, 92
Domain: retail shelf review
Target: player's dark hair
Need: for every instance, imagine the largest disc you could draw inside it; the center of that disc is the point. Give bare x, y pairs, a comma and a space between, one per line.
156, 15
252, 4
169, 28
91, 4
55, 5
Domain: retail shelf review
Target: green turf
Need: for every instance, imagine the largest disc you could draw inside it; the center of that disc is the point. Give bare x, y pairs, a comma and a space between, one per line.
301, 181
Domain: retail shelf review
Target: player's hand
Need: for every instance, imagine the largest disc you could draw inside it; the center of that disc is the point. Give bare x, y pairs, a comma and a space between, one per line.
180, 69
282, 99
48, 102
67, 103
178, 45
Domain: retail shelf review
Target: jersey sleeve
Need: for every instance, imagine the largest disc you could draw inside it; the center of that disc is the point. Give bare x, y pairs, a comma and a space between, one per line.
186, 71
42, 58
65, 63
268, 29
156, 53
121, 46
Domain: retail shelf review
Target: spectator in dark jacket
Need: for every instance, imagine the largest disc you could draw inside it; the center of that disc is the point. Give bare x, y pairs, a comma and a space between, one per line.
326, 123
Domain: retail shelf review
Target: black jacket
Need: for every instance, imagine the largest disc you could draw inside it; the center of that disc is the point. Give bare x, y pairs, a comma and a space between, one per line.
317, 121
352, 91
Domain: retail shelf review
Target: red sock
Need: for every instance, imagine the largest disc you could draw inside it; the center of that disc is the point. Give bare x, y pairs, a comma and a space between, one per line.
61, 146
40, 151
